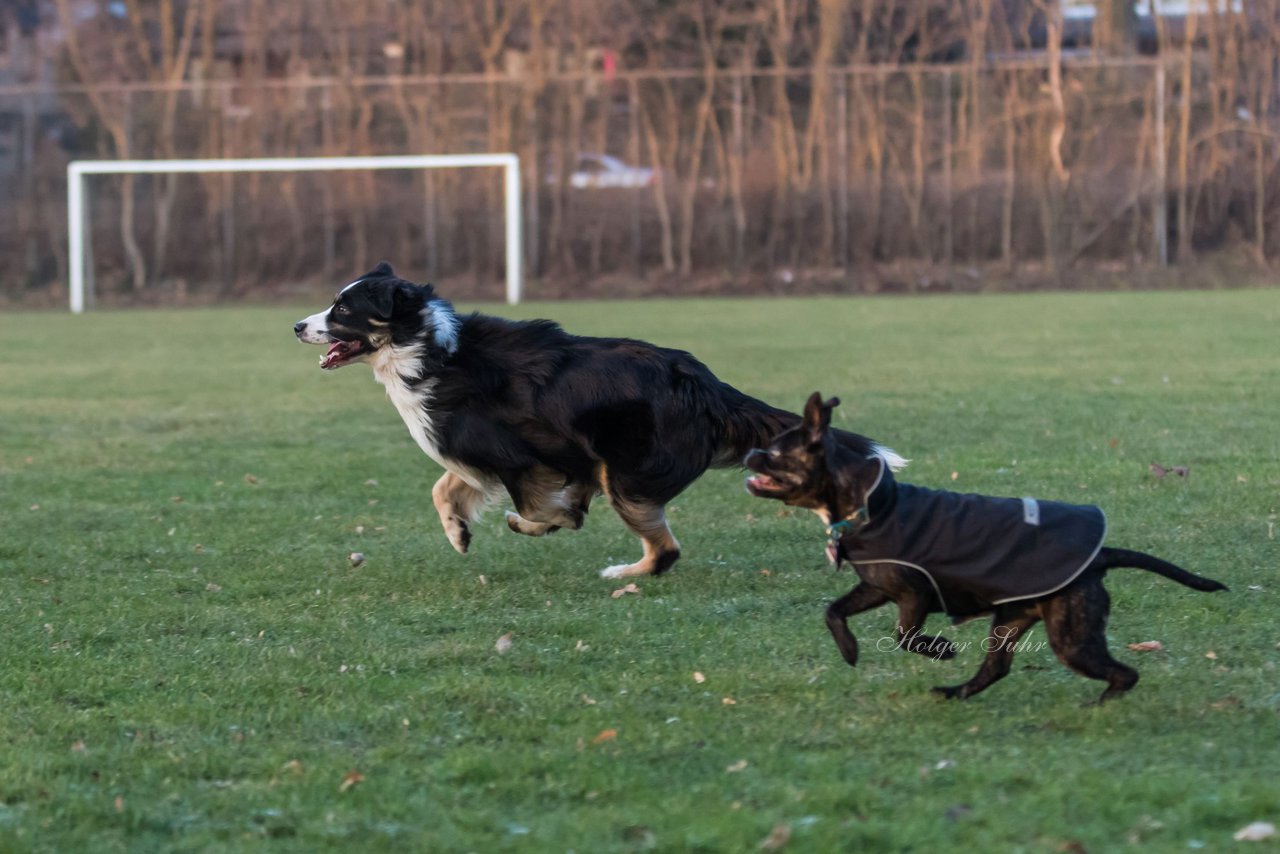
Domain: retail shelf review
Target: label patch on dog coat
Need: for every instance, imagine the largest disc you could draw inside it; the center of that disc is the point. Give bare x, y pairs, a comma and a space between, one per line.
978, 551
1031, 511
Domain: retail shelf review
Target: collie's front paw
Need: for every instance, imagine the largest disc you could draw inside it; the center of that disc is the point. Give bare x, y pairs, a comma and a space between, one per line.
459, 535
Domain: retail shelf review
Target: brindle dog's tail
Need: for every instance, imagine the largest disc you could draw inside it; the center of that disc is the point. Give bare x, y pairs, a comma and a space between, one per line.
1141, 560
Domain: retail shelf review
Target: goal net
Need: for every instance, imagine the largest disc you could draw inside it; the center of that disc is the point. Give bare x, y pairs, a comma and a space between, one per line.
78, 198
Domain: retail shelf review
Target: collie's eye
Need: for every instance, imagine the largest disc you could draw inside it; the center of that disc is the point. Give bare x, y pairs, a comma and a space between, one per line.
775, 453
341, 309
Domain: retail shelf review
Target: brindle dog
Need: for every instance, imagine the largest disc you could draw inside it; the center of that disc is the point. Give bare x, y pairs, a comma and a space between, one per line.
803, 467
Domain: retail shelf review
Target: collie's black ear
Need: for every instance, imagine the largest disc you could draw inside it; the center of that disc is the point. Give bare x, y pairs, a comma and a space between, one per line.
383, 300
383, 269
401, 296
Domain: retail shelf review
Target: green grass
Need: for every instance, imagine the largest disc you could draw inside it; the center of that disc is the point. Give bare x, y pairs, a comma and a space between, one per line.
191, 663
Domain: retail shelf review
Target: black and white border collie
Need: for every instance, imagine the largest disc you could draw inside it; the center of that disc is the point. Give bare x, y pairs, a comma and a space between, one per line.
549, 418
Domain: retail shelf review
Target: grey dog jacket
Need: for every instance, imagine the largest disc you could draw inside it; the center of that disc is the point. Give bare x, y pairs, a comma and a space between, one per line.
976, 551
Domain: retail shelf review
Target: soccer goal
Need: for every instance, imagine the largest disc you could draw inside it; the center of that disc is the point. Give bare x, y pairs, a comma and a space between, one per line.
81, 285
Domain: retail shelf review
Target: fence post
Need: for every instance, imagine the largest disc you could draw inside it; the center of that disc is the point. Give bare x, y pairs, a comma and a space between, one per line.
633, 154
842, 170
948, 226
1160, 204
739, 147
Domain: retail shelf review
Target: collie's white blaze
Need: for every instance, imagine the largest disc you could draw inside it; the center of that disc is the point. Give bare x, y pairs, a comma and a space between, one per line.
346, 288
391, 365
315, 329
892, 459
445, 322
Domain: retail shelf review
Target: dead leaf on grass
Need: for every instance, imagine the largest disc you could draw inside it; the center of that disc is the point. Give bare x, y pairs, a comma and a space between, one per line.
740, 765
698, 677
1147, 646
623, 591
353, 778
603, 736
503, 643
1160, 471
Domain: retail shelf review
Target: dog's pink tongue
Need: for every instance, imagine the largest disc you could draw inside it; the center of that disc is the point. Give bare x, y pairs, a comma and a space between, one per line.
335, 352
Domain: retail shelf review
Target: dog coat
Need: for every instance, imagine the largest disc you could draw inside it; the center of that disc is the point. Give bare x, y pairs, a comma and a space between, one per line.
977, 551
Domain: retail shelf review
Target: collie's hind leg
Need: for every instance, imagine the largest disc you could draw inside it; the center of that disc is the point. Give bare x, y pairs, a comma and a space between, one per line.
458, 504
521, 525
547, 504
649, 523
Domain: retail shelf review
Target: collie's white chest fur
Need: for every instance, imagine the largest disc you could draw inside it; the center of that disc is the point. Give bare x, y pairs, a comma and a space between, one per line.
391, 365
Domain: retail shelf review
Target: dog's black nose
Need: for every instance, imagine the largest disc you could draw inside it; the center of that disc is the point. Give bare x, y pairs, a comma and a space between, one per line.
298, 327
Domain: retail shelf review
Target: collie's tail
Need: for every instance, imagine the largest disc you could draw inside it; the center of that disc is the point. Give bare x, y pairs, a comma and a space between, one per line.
1142, 560
752, 423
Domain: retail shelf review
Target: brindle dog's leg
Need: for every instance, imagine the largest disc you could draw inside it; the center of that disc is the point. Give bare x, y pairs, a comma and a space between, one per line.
1007, 626
912, 611
457, 502
1076, 622
863, 597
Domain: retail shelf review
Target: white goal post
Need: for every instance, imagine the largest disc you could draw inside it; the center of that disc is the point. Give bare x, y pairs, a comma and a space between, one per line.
79, 170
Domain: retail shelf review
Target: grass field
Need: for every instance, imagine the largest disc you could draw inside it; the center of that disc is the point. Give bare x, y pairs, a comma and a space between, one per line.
191, 662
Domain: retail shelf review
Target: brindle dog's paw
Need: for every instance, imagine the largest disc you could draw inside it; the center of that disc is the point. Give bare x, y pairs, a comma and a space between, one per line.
950, 692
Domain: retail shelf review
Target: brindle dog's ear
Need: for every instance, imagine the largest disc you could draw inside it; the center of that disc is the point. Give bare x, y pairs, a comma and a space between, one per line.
817, 416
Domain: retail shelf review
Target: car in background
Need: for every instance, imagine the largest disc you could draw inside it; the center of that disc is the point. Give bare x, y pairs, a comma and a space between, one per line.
605, 172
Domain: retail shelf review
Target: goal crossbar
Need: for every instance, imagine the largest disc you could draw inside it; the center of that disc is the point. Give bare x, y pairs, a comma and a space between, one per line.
79, 170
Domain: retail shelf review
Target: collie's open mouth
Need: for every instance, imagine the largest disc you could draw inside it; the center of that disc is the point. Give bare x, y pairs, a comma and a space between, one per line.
339, 353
